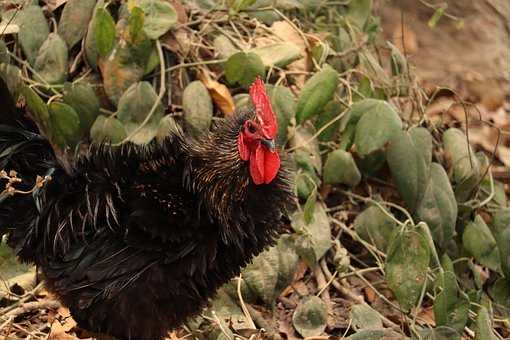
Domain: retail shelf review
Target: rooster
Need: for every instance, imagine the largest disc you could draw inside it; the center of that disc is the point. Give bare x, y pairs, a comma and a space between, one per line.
135, 239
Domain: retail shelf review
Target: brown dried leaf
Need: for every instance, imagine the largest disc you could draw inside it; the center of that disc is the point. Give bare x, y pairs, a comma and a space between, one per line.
427, 315
220, 95
68, 321
286, 32
58, 332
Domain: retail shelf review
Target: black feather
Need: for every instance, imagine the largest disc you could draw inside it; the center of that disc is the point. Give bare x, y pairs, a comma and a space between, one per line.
136, 239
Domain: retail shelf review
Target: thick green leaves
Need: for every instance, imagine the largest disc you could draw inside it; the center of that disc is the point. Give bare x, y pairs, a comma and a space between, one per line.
262, 275
272, 271
377, 125
279, 54
37, 108
316, 93
466, 167
107, 130
33, 31
478, 240
406, 267
451, 305
243, 68
359, 11
91, 49
104, 31
303, 139
365, 317
374, 226
439, 333
64, 124
75, 19
313, 239
160, 16
83, 99
501, 230
134, 107
340, 168
408, 166
331, 111
52, 60
310, 316
198, 108
438, 207
284, 105
484, 328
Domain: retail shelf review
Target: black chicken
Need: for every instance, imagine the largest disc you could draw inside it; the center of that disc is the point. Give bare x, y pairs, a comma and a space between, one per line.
135, 239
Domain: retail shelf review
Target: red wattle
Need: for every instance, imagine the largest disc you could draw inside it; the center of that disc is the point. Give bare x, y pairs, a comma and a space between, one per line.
264, 165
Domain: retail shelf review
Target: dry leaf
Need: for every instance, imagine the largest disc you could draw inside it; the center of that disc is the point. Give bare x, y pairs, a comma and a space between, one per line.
54, 4
370, 295
427, 315
286, 32
407, 43
68, 321
220, 95
58, 332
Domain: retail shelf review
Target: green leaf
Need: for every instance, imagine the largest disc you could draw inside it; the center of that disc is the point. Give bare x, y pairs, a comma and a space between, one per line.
160, 16
310, 316
375, 227
484, 327
331, 111
422, 140
313, 239
134, 106
365, 317
408, 167
478, 240
198, 108
167, 126
501, 230
466, 167
398, 61
359, 11
438, 14
243, 68
316, 93
278, 54
262, 275
12, 76
284, 105
136, 20
368, 334
288, 261
309, 208
75, 20
439, 333
125, 65
64, 124
438, 207
340, 168
377, 125
52, 60
104, 30
500, 293
303, 139
83, 99
406, 267
33, 31
91, 49
451, 306
239, 5
107, 130
37, 108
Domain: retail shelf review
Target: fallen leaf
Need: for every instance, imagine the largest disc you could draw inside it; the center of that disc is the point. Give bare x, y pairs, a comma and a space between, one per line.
405, 39
220, 95
370, 294
52, 5
58, 332
68, 321
182, 16
286, 32
427, 316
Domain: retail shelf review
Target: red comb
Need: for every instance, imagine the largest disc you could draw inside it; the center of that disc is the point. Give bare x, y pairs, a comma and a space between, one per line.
263, 108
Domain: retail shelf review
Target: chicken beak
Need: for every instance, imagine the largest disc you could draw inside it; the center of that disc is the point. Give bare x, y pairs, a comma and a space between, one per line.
269, 143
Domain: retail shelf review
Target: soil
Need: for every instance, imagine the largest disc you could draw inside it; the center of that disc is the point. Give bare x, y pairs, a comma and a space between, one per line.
475, 55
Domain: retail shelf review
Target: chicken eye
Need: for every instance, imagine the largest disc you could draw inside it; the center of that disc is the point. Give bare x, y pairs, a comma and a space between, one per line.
251, 128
